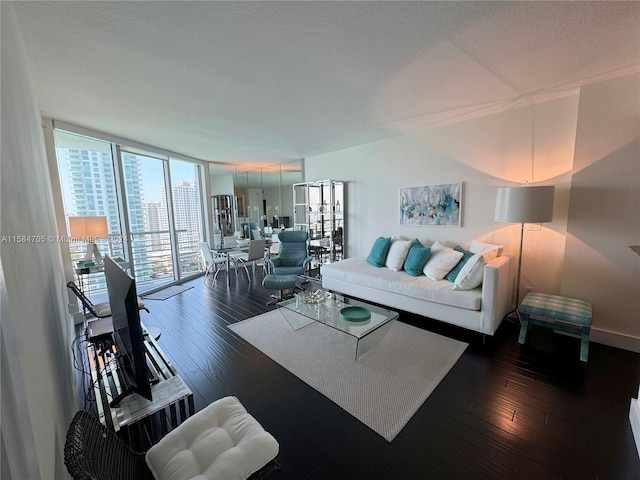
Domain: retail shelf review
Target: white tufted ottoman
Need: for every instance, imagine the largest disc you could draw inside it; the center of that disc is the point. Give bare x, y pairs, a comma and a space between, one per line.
220, 442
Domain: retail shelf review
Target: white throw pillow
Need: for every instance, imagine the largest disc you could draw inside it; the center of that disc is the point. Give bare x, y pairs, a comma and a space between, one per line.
479, 247
437, 246
441, 262
397, 254
472, 273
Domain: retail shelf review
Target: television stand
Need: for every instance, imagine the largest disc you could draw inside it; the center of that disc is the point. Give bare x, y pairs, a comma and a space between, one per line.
135, 416
152, 375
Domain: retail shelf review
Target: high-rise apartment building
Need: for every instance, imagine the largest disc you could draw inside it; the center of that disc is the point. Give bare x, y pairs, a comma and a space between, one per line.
155, 222
186, 212
89, 189
92, 191
92, 185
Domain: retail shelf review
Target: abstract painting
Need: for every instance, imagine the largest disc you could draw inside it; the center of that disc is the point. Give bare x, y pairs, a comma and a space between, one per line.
433, 205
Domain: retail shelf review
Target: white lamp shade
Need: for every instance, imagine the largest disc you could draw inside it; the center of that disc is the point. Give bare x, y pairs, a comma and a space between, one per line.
524, 204
88, 228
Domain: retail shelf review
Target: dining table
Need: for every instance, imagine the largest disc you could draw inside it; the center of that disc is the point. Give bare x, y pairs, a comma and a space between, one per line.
229, 250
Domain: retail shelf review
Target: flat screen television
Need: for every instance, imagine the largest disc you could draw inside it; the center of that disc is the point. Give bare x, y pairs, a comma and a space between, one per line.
127, 332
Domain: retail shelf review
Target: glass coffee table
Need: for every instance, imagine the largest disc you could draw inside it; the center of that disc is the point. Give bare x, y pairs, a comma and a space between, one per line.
367, 331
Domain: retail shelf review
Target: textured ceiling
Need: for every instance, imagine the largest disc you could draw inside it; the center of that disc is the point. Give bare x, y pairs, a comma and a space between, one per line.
263, 82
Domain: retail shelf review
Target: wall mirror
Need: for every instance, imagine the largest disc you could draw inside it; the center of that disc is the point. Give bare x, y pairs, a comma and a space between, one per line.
262, 196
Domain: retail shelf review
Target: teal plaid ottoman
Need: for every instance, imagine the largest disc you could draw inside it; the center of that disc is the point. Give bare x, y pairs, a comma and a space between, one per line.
564, 314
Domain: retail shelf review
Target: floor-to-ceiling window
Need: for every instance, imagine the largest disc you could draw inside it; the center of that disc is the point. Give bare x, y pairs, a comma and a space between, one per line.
187, 214
153, 206
152, 249
89, 189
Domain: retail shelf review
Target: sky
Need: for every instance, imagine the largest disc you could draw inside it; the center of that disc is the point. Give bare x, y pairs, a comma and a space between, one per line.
152, 175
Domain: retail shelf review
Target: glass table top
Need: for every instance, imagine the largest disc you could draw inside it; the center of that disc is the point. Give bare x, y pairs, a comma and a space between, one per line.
328, 313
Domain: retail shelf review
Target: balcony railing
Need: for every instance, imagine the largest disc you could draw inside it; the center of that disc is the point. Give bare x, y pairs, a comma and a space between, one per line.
152, 259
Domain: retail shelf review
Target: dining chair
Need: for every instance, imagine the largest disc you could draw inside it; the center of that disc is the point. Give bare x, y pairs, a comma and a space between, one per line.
212, 262
275, 244
217, 239
256, 252
229, 241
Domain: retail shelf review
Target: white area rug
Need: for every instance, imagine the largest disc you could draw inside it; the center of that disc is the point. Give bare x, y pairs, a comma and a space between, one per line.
383, 389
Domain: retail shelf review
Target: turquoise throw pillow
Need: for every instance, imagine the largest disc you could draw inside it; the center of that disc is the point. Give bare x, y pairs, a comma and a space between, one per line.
416, 243
416, 260
379, 251
466, 255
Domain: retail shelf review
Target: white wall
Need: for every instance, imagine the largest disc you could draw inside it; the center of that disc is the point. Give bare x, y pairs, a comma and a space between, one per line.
604, 217
484, 153
254, 196
221, 184
38, 403
272, 196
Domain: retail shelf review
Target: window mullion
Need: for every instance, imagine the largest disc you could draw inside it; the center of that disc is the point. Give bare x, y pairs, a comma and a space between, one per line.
125, 226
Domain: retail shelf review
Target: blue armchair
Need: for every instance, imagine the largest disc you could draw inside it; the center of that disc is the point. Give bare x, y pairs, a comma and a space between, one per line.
293, 257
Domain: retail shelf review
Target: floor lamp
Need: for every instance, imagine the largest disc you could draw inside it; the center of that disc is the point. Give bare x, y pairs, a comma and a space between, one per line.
524, 205
89, 229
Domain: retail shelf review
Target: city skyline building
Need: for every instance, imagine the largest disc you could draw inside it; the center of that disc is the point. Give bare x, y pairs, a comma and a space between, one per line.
89, 186
186, 213
154, 222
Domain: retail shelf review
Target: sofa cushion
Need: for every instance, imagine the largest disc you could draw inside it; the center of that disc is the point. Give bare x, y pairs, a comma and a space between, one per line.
358, 271
397, 254
416, 260
220, 441
453, 273
471, 275
378, 253
441, 262
479, 247
437, 246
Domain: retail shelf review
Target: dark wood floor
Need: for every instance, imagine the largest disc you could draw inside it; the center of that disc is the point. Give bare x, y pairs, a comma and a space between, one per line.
503, 412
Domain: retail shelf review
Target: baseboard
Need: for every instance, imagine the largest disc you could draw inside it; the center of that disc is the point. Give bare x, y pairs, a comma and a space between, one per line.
618, 340
634, 417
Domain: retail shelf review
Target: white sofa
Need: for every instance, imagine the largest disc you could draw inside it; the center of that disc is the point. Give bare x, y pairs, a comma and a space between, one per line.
481, 309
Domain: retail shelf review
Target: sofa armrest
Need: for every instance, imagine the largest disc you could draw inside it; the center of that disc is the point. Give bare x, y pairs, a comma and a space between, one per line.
497, 290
